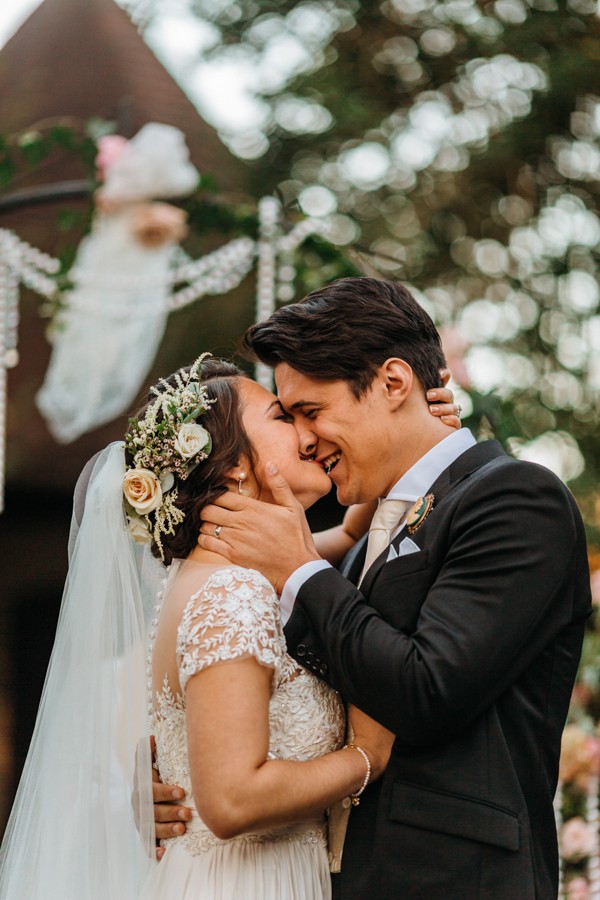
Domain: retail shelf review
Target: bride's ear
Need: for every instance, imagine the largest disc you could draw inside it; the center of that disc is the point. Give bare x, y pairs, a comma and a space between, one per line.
238, 477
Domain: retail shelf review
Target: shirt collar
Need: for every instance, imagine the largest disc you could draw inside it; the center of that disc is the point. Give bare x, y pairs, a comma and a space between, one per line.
426, 470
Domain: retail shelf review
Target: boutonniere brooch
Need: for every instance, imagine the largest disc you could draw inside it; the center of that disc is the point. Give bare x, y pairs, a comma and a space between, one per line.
419, 512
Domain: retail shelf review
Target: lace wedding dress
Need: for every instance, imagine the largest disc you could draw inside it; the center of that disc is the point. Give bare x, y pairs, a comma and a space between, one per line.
212, 616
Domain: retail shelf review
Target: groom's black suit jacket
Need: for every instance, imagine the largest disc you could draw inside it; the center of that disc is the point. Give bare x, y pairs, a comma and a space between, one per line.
467, 650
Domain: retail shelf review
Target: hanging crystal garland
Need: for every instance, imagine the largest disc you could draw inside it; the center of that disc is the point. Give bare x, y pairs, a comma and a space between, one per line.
19, 262
287, 246
4, 304
187, 280
276, 270
216, 273
31, 266
269, 211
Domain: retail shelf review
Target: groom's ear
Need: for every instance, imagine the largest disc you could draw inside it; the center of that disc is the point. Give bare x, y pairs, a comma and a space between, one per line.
397, 379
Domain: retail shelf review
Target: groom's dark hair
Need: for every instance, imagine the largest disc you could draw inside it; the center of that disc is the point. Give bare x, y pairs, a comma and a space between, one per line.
346, 330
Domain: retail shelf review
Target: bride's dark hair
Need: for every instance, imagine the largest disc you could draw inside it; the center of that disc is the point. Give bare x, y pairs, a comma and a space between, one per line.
230, 444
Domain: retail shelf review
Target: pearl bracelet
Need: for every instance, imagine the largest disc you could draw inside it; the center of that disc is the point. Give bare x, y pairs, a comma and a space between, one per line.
355, 798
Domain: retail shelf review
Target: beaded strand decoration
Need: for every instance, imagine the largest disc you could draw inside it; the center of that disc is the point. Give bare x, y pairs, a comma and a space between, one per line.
188, 280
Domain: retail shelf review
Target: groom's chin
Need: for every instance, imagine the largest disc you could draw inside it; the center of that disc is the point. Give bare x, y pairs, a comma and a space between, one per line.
343, 495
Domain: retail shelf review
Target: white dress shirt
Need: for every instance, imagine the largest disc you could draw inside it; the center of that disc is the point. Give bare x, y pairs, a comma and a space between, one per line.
411, 486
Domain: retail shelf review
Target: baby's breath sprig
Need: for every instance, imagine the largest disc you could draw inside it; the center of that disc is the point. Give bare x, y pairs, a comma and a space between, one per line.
166, 445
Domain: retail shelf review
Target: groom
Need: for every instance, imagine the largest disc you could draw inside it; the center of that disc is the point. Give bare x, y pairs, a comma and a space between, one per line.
464, 635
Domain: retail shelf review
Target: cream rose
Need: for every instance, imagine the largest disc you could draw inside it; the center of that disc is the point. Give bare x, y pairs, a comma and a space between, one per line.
142, 489
192, 438
138, 531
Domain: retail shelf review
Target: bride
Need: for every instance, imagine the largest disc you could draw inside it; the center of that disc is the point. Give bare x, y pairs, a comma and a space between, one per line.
255, 741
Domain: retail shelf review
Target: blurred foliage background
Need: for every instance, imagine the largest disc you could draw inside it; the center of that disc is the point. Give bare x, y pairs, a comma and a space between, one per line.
454, 146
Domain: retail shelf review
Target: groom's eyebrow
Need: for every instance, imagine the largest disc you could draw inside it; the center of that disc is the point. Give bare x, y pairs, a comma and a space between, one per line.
300, 403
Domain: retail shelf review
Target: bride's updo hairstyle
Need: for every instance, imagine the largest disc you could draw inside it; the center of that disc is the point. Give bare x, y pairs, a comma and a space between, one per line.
230, 443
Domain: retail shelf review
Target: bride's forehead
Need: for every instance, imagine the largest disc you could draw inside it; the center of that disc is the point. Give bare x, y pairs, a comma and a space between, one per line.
253, 392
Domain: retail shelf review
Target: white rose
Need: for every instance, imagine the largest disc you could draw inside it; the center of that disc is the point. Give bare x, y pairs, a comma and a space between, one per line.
138, 531
142, 489
192, 438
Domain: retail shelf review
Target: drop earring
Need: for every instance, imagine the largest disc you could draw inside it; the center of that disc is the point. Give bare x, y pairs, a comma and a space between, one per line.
240, 482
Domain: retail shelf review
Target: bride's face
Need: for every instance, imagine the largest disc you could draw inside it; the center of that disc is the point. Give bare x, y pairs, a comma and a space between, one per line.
274, 439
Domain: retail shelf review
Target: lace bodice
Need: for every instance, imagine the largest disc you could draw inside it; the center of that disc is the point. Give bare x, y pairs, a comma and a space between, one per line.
235, 614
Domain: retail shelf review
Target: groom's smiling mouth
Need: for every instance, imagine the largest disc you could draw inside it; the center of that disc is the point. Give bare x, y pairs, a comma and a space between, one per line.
331, 461
327, 463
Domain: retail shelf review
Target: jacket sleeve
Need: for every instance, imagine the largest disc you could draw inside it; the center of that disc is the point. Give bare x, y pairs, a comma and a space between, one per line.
508, 585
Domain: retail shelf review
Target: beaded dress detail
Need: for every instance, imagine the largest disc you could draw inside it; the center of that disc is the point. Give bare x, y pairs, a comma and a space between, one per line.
232, 615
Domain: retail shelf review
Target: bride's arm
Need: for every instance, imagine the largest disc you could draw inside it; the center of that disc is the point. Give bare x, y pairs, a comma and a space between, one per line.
334, 543
236, 788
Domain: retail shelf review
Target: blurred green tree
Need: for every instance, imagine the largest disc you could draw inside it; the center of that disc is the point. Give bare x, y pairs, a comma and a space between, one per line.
452, 145
455, 146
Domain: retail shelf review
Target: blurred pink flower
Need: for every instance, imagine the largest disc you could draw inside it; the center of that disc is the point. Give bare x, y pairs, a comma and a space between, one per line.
110, 147
576, 840
157, 224
579, 756
578, 889
595, 584
581, 695
455, 345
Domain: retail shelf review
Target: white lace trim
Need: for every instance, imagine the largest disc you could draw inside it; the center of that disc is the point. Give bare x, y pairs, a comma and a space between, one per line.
235, 614
306, 717
202, 841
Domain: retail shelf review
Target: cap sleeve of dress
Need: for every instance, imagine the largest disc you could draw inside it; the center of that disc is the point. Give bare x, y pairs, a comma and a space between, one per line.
234, 615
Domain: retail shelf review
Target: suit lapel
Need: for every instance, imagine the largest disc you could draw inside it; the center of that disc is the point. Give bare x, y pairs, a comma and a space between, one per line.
355, 559
467, 463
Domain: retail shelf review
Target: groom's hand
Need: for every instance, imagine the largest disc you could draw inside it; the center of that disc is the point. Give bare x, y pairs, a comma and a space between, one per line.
169, 816
273, 538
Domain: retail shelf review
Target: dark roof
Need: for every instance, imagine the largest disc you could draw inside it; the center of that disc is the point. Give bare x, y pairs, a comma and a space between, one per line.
86, 58
76, 59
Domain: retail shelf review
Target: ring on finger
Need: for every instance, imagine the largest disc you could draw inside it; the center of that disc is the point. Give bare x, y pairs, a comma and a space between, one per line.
217, 531
458, 409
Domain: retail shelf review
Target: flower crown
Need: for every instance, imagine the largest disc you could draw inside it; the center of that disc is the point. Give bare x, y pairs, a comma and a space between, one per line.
165, 443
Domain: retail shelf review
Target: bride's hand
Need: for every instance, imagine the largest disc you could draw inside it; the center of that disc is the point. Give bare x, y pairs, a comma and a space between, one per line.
373, 738
441, 402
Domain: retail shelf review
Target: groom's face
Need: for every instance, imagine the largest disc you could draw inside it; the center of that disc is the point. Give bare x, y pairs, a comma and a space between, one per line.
348, 437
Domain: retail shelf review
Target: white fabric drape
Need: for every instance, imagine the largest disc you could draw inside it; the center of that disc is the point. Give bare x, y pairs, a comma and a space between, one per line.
72, 832
107, 336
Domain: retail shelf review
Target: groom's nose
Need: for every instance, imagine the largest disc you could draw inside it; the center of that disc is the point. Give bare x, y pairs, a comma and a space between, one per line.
306, 439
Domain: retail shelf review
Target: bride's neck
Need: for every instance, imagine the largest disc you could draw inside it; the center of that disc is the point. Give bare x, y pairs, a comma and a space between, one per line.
207, 557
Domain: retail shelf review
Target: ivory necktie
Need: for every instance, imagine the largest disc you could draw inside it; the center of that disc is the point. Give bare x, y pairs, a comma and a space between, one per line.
386, 519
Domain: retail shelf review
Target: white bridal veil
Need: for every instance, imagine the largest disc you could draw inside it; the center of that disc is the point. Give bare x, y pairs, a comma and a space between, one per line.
72, 832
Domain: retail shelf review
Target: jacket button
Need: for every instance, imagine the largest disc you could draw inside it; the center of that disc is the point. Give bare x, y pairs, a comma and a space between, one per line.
323, 669
301, 650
